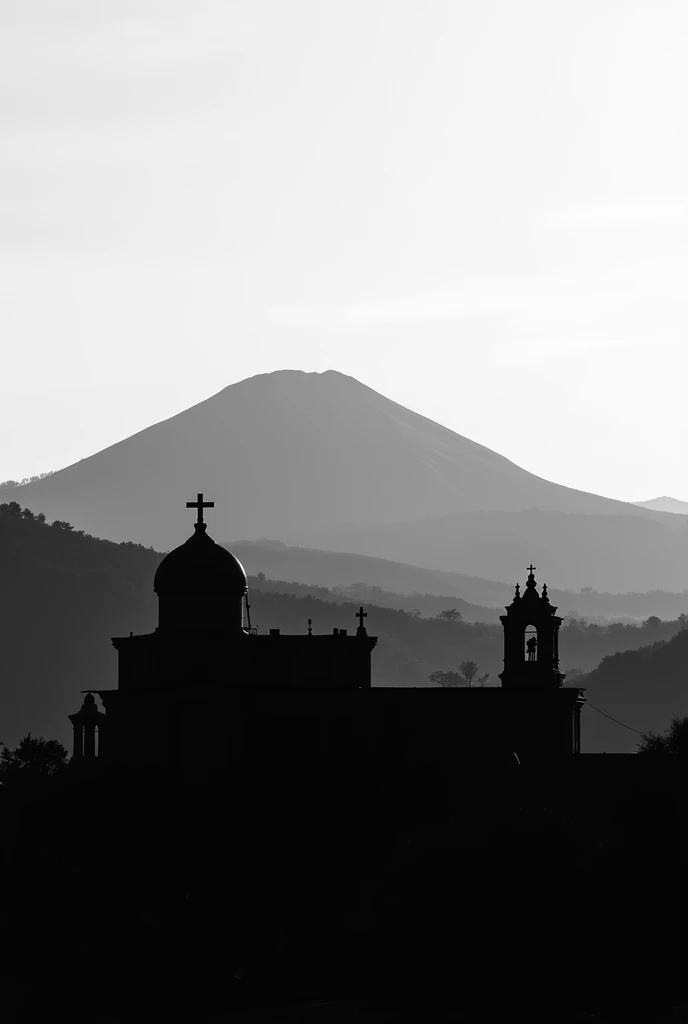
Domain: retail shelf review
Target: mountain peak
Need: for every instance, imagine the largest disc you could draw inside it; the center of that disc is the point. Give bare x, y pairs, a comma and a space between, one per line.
289, 375
665, 504
290, 451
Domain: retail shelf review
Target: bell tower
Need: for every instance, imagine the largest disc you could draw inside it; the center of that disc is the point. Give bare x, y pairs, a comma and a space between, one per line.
531, 639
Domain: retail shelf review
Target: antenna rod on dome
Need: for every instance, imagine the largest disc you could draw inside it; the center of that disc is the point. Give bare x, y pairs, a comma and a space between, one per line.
200, 505
248, 610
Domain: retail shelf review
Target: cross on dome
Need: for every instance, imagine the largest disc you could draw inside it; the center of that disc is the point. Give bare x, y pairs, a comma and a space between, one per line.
531, 569
200, 505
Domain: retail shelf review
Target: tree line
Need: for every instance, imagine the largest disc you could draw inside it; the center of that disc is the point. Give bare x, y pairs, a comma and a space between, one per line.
27, 479
33, 761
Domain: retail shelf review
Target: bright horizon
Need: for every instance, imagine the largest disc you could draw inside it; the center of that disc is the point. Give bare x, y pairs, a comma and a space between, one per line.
480, 211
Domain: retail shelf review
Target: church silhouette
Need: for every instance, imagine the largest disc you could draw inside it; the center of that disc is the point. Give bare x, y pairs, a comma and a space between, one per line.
271, 759
205, 685
247, 822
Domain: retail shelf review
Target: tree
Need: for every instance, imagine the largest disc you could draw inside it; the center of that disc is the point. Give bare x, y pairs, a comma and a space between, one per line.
464, 677
40, 518
60, 524
446, 678
673, 741
468, 670
654, 622
450, 615
33, 760
27, 513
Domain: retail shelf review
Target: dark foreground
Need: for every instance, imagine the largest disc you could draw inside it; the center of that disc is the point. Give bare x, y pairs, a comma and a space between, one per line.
555, 896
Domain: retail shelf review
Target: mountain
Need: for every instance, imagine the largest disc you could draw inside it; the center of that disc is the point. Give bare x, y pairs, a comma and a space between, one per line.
318, 459
665, 504
289, 451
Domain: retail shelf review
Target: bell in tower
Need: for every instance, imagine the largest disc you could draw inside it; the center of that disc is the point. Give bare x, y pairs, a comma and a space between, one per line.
531, 639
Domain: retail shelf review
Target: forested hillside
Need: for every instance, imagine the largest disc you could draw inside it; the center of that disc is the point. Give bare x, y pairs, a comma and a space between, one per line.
645, 686
64, 594
429, 605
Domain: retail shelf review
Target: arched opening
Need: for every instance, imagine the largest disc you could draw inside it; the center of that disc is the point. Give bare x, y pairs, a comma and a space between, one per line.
531, 643
78, 740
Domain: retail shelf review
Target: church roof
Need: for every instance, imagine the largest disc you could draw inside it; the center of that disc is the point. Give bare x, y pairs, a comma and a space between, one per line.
200, 564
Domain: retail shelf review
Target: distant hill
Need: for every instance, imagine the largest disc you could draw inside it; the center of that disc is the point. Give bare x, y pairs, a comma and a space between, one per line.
643, 688
333, 568
665, 504
621, 552
426, 605
396, 585
478, 599
63, 595
299, 455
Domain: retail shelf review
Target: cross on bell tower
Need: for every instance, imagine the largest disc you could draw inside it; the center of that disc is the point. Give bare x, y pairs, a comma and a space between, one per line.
200, 505
361, 615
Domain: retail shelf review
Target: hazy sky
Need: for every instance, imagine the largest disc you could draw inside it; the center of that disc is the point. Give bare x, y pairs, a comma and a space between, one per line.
479, 209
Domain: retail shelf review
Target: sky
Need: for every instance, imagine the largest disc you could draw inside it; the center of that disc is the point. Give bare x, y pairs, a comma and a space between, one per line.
478, 209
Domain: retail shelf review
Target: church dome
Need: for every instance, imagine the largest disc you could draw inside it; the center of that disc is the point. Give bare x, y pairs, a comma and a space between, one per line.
200, 565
